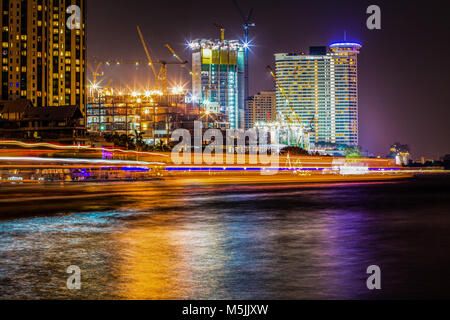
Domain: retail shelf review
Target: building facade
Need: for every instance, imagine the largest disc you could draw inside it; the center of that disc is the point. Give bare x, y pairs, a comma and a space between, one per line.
261, 108
322, 89
20, 120
218, 80
44, 51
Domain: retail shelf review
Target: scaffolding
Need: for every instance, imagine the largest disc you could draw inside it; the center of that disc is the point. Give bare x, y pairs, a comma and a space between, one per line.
154, 116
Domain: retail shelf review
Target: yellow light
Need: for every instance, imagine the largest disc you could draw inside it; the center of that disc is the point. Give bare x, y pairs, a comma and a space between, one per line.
177, 90
134, 94
207, 53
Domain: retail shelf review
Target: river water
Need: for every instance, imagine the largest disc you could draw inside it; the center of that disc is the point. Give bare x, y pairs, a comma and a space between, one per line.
164, 240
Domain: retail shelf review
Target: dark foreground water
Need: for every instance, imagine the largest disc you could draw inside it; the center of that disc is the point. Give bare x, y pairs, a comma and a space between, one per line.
169, 241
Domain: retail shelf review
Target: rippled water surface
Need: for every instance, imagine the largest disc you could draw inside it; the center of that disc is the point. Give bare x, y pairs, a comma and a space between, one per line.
165, 240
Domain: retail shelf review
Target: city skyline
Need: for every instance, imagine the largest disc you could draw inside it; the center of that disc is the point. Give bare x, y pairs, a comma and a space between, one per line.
388, 110
224, 156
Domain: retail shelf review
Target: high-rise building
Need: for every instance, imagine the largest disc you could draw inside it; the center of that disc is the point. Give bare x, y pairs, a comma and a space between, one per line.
322, 90
44, 51
261, 108
219, 84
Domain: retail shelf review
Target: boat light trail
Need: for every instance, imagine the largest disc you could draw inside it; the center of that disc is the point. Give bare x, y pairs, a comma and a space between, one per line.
66, 147
75, 160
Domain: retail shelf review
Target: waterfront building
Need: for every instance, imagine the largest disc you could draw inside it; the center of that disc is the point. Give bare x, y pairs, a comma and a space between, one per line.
322, 90
261, 108
218, 81
20, 120
44, 51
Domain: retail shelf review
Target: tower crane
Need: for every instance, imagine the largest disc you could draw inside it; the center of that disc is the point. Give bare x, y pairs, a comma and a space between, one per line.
184, 63
161, 76
150, 62
95, 73
246, 19
293, 119
222, 31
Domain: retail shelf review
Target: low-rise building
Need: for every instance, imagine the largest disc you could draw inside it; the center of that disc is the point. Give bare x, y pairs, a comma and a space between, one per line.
22, 121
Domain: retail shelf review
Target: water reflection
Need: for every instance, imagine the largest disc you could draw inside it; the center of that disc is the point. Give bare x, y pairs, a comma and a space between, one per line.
225, 242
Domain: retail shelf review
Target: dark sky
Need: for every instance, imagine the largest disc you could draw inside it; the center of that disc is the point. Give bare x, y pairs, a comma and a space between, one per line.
404, 87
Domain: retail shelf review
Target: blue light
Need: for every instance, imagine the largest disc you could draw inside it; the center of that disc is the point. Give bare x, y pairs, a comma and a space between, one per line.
132, 169
345, 44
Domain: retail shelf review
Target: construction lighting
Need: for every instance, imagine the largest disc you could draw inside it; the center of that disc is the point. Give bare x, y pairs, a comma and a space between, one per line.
177, 90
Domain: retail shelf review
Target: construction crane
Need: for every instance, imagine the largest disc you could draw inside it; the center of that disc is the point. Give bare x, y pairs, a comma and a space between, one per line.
222, 31
161, 76
293, 118
150, 62
95, 73
246, 19
184, 63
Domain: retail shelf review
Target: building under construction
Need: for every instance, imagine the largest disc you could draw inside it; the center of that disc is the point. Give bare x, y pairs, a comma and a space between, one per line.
152, 114
220, 86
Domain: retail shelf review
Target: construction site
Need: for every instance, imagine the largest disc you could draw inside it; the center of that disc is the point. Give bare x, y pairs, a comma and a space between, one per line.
217, 95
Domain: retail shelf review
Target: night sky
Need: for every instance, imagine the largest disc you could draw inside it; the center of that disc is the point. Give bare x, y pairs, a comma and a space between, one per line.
404, 89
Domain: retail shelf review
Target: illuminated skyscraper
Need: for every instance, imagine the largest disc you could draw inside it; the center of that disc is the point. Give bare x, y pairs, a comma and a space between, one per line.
322, 89
219, 84
44, 51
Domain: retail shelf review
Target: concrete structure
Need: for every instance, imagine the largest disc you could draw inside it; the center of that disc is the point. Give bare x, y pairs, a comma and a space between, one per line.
154, 116
322, 89
219, 82
261, 108
43, 56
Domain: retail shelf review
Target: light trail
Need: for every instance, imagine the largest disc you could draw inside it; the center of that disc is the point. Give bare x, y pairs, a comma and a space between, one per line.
228, 168
67, 147
75, 160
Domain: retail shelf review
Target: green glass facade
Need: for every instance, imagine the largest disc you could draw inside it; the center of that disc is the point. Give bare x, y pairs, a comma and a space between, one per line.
219, 84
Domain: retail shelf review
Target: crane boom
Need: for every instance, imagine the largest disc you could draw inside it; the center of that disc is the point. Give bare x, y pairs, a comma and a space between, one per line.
150, 62
180, 60
298, 120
